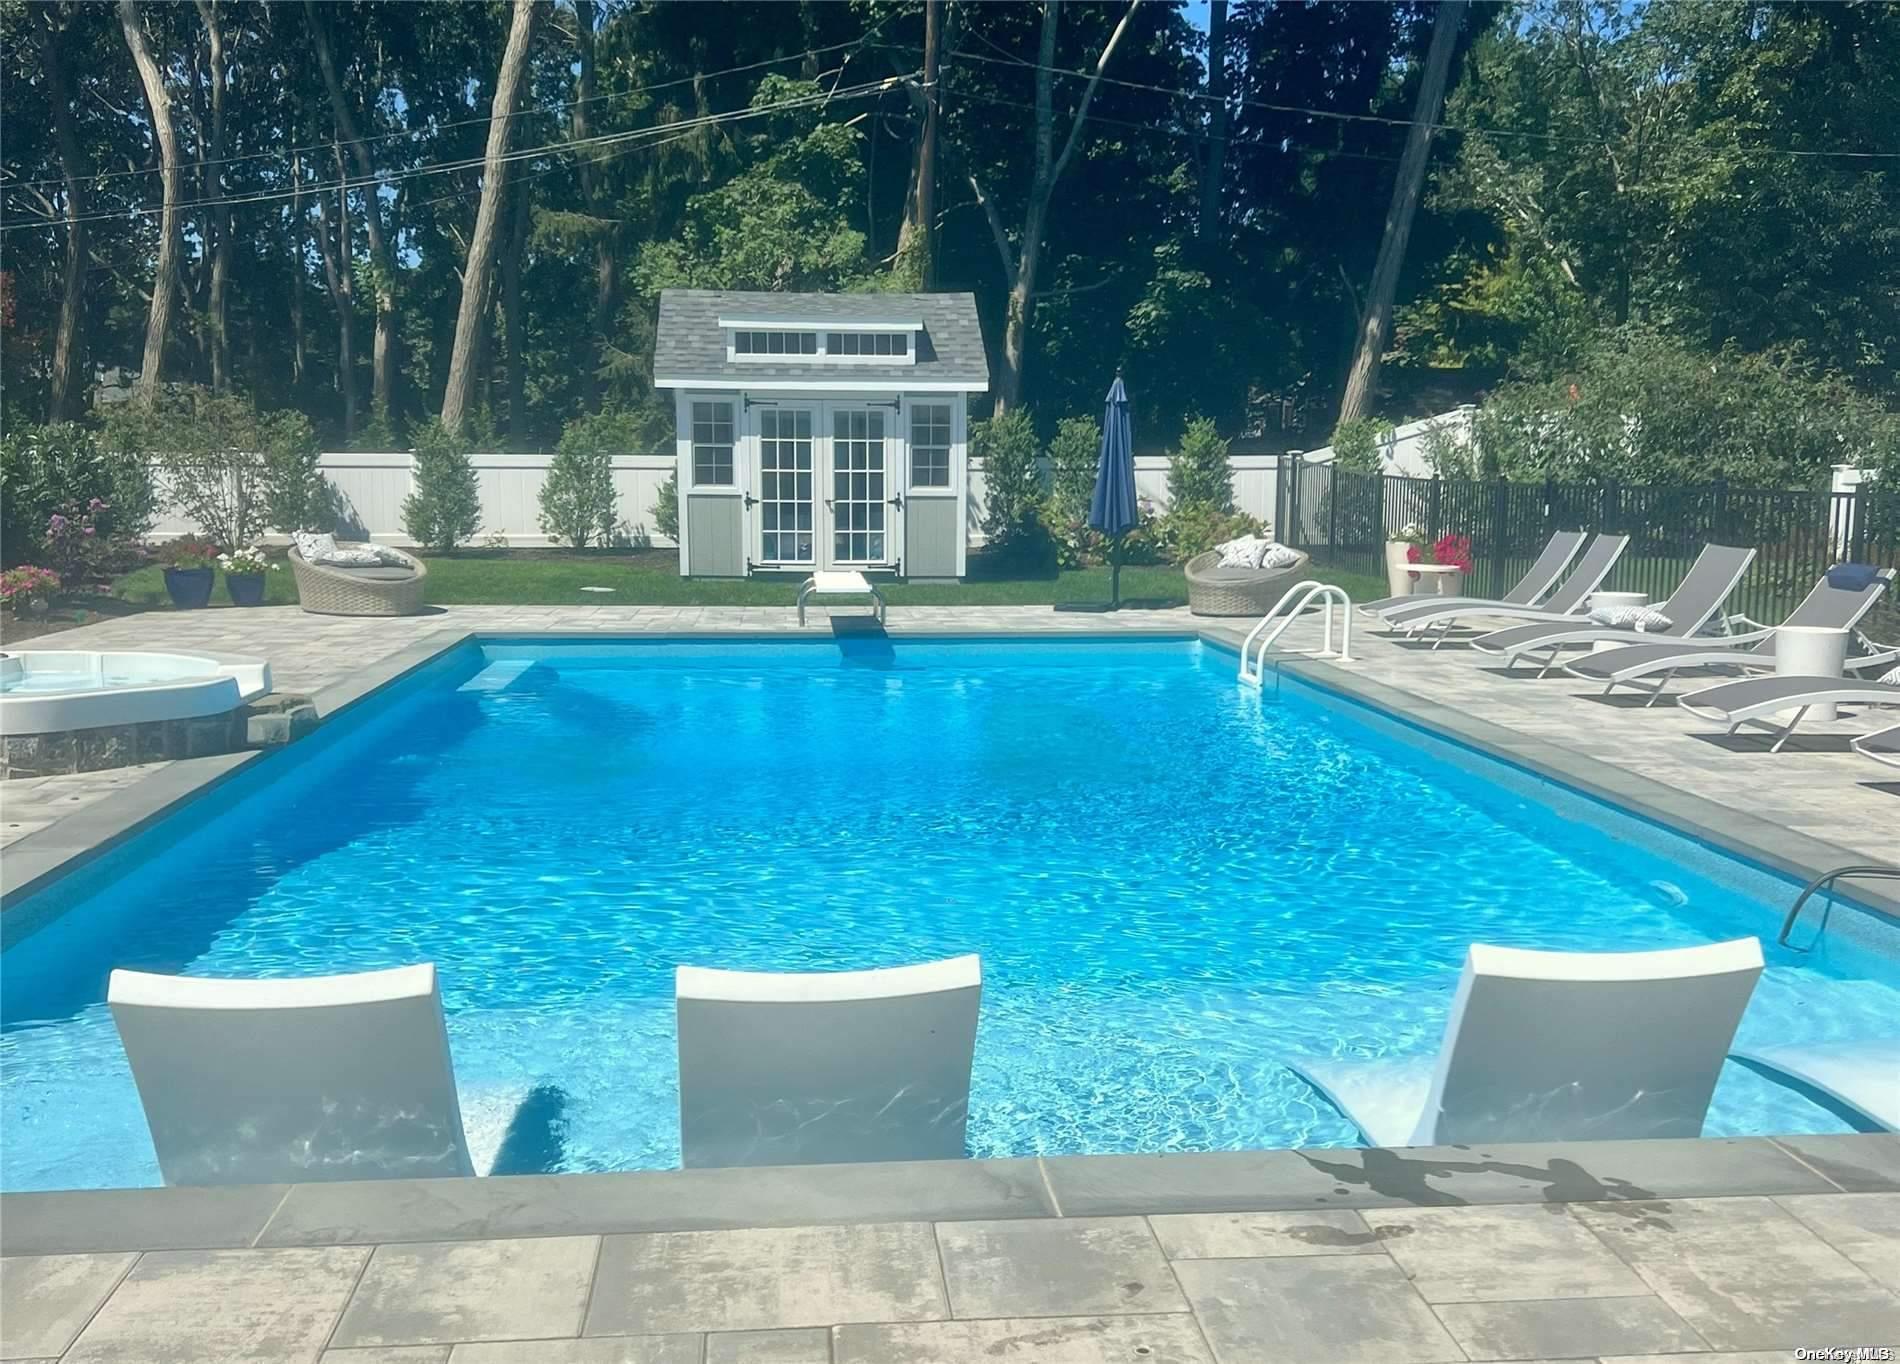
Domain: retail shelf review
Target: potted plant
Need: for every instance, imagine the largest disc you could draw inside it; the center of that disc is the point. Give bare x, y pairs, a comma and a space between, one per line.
244, 571
1448, 550
28, 589
190, 569
1401, 550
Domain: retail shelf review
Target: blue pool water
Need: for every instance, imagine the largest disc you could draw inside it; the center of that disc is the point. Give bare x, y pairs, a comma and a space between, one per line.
1174, 883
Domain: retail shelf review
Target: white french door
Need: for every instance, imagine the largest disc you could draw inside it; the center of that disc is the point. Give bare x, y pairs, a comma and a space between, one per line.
786, 518
859, 503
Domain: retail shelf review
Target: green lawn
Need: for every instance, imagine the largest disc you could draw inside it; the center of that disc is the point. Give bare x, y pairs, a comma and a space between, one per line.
651, 577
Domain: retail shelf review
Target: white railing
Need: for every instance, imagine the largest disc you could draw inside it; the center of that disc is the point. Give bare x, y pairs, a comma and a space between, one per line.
1300, 594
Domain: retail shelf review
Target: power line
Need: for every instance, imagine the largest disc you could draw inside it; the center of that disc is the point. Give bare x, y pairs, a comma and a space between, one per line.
1384, 119
630, 138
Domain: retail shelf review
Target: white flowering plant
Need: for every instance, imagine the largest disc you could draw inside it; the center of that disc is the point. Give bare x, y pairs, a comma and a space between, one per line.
243, 562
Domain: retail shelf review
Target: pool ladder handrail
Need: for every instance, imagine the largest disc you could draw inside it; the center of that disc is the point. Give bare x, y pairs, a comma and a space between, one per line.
1305, 592
1878, 870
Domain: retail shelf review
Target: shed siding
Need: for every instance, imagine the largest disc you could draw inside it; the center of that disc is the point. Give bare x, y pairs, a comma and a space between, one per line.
714, 537
930, 537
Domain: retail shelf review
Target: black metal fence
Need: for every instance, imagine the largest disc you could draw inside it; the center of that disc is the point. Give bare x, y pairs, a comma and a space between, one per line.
1344, 519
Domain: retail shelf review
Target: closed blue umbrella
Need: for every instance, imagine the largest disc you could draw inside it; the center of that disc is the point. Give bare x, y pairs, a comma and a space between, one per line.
1112, 507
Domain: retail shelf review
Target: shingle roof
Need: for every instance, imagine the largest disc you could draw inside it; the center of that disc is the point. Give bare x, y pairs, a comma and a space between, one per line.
690, 345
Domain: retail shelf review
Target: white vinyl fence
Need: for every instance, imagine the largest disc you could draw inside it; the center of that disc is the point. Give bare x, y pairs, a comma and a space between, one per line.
1255, 481
371, 489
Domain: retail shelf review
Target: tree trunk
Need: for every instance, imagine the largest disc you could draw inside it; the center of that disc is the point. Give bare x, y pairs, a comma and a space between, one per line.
927, 150
334, 246
165, 271
605, 273
217, 217
382, 259
1020, 266
68, 347
512, 317
1376, 324
479, 268
1215, 169
297, 223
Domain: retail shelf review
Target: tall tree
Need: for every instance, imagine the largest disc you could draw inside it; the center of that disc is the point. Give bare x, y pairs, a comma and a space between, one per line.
1376, 324
478, 271
1214, 167
217, 217
333, 244
68, 340
1022, 261
165, 268
382, 259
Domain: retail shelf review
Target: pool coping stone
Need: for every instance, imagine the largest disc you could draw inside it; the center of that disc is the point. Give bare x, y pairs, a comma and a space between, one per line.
510, 1206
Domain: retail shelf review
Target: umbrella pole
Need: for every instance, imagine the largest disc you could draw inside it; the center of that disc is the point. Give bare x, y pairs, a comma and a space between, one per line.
1115, 572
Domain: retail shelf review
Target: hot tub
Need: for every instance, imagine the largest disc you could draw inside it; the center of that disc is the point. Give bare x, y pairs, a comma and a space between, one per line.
44, 691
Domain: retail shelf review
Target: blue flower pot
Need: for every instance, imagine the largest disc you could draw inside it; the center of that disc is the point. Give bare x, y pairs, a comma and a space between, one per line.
246, 589
189, 588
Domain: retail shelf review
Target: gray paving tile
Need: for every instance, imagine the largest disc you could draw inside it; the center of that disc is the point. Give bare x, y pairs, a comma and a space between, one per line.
1499, 1254
137, 1219
1047, 1268
1246, 1235
1571, 1328
449, 1291
769, 1347
1344, 1309
1745, 1274
1715, 1357
765, 1278
671, 1200
393, 1354
221, 1307
1863, 1227
1859, 1162
674, 1349
1206, 1181
45, 1300
1044, 1340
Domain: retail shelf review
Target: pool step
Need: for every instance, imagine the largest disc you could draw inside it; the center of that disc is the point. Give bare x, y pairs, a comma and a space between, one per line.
497, 676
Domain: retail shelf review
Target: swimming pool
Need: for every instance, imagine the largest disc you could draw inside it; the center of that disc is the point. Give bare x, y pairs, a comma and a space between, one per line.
1174, 882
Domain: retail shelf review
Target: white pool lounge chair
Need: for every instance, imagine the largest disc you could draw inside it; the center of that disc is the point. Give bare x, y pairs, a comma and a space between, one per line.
293, 1081
1862, 1076
1826, 606
1754, 700
800, 1069
1562, 604
1537, 579
841, 583
1698, 596
1883, 745
1559, 1046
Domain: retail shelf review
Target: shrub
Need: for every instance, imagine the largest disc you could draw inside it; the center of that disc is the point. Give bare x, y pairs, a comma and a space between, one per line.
81, 547
1356, 444
577, 497
45, 469
1194, 528
189, 552
1198, 471
666, 508
1012, 482
1073, 457
446, 507
231, 468
27, 583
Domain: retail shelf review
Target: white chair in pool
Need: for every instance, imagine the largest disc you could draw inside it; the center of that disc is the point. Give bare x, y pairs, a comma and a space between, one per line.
293, 1081
801, 1069
1559, 1046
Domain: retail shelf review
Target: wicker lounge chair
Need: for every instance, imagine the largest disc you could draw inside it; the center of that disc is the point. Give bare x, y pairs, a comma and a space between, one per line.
1216, 591
386, 590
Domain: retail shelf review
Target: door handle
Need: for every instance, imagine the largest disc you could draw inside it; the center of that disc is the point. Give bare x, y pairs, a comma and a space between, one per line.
896, 501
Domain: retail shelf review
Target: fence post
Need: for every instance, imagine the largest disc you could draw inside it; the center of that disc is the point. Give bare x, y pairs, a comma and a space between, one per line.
1550, 504
1719, 531
1500, 513
1332, 511
1858, 534
1431, 516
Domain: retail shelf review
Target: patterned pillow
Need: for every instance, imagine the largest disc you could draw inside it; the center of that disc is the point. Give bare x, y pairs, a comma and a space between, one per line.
1242, 553
312, 546
365, 557
1631, 617
1890, 678
1279, 556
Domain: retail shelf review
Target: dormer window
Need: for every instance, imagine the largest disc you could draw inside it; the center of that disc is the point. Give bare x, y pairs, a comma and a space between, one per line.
823, 341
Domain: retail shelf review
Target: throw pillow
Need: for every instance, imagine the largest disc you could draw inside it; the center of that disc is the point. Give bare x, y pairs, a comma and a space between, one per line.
1631, 617
1279, 556
1890, 678
1242, 553
351, 558
312, 545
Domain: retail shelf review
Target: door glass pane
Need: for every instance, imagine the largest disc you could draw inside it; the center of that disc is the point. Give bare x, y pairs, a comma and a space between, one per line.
785, 467
857, 476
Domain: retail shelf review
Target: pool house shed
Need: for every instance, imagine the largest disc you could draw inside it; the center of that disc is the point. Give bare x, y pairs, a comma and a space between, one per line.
821, 431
